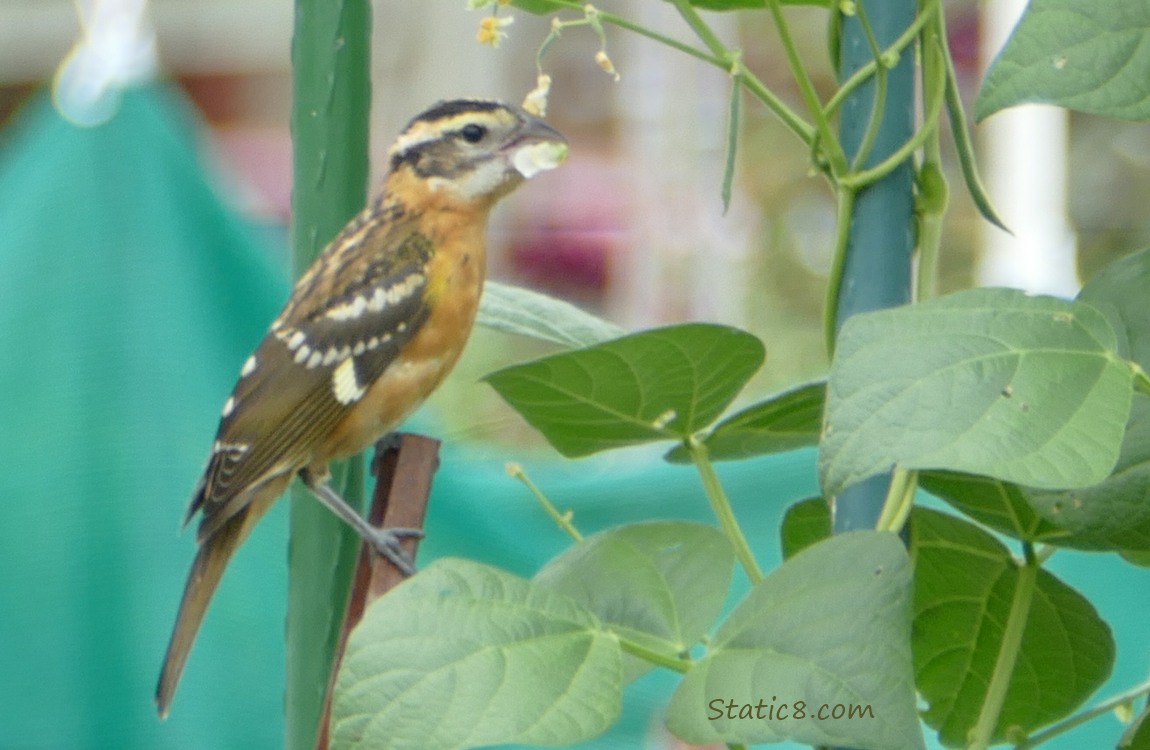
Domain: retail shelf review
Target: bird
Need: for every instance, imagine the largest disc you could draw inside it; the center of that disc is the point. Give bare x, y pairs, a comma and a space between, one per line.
370, 329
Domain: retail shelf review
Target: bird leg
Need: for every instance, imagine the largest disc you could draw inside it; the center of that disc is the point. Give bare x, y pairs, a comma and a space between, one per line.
385, 541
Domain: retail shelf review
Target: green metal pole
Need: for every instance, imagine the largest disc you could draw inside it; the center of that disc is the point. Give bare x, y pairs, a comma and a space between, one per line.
331, 54
877, 271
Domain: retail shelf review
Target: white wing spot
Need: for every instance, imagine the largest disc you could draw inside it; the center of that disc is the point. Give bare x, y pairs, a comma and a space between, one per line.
314, 360
348, 310
249, 366
344, 385
373, 343
295, 340
331, 356
302, 354
359, 348
229, 406
378, 300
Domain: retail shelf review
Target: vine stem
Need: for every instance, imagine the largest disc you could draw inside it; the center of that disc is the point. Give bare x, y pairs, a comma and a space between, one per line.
722, 508
562, 520
878, 105
725, 57
836, 158
722, 58
930, 220
860, 76
899, 500
865, 177
845, 207
1066, 725
702, 30
1141, 379
991, 710
675, 663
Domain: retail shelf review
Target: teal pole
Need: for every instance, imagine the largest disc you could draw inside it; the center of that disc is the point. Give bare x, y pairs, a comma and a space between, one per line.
877, 270
331, 55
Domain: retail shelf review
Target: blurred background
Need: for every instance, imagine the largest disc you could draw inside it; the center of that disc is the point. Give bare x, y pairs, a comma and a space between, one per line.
141, 258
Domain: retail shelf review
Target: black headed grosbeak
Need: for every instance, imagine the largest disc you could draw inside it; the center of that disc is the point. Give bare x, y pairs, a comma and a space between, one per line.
370, 330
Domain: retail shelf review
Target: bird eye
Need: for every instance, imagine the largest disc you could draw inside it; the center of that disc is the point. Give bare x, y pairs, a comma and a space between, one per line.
473, 133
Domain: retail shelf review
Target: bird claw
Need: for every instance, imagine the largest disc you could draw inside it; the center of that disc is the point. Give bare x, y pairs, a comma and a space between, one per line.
386, 543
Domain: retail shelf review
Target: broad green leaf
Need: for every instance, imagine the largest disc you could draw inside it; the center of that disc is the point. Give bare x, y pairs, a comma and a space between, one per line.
662, 384
1139, 558
465, 655
1120, 291
1002, 506
830, 627
805, 523
1113, 515
512, 309
1089, 56
660, 584
782, 422
963, 587
986, 381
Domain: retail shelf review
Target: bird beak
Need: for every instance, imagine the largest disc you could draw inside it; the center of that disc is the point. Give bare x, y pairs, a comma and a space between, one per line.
538, 147
535, 129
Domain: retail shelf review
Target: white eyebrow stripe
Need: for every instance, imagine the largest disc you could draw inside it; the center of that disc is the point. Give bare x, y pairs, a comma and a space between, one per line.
424, 131
417, 135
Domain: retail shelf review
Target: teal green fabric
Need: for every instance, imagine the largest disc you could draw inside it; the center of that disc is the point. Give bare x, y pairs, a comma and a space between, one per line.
129, 295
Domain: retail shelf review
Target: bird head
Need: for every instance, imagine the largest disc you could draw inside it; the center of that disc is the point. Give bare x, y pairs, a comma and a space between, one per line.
477, 149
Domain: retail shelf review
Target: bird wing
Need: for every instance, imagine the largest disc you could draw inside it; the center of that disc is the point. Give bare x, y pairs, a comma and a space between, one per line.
346, 321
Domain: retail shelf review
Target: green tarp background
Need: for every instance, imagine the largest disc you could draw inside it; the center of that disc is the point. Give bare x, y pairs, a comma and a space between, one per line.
129, 295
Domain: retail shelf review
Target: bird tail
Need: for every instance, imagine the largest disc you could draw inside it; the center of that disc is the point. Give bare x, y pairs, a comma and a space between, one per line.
204, 577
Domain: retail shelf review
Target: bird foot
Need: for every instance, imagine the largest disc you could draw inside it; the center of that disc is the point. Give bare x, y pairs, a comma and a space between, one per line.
386, 543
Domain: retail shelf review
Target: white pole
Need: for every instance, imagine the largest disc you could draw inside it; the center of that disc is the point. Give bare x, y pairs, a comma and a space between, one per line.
1024, 162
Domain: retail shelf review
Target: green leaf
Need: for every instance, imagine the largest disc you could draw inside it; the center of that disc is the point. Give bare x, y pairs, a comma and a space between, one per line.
805, 523
782, 422
1003, 506
512, 309
986, 381
738, 4
963, 588
452, 658
1120, 291
660, 584
727, 4
1115, 513
1139, 558
1088, 56
538, 7
830, 627
662, 384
